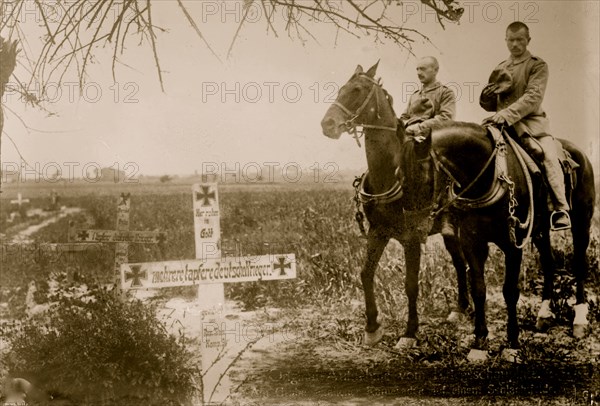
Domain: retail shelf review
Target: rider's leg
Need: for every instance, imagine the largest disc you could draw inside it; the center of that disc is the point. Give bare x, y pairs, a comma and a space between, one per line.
556, 180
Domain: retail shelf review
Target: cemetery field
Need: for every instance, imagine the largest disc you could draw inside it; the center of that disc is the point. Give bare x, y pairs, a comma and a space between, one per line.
309, 347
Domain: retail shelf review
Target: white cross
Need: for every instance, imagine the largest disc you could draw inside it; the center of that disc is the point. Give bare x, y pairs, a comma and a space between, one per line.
19, 200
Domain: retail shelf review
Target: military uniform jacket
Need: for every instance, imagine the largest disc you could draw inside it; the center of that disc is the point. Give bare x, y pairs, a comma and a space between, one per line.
432, 104
521, 104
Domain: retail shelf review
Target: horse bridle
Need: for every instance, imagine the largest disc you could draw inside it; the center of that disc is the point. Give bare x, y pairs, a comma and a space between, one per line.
362, 197
350, 123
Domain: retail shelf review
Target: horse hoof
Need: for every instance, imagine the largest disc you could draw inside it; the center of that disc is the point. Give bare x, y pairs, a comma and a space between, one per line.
543, 323
544, 317
511, 355
370, 339
405, 343
579, 330
455, 317
477, 355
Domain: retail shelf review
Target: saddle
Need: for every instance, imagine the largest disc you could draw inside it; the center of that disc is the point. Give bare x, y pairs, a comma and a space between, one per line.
530, 150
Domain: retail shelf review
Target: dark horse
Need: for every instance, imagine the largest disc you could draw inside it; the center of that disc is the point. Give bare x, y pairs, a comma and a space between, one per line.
461, 161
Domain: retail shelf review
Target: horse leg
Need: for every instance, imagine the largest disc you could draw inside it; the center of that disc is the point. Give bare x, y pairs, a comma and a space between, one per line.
542, 243
412, 253
510, 291
458, 260
375, 246
581, 239
476, 253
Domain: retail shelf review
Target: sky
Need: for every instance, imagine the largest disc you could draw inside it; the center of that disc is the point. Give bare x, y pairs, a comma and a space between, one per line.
265, 102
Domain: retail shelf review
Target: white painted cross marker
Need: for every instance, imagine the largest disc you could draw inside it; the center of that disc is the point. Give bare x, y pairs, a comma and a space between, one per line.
209, 271
19, 200
207, 235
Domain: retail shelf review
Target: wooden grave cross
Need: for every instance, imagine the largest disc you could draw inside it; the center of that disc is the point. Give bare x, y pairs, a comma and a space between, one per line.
20, 201
121, 236
209, 271
209, 268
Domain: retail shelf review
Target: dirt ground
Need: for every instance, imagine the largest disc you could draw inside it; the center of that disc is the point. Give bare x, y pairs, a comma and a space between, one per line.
312, 357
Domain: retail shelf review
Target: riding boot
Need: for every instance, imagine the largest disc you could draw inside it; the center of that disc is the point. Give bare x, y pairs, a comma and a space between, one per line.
560, 217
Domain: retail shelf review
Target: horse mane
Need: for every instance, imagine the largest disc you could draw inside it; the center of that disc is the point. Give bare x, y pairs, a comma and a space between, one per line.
461, 132
389, 99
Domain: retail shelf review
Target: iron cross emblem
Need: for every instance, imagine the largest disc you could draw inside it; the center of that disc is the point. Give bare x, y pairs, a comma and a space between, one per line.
205, 195
123, 199
282, 265
137, 275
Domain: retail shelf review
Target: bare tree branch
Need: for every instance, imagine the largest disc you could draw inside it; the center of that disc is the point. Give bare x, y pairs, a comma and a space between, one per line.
153, 42
78, 27
195, 27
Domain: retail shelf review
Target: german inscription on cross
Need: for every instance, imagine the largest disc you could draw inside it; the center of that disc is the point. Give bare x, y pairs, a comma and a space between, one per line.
122, 237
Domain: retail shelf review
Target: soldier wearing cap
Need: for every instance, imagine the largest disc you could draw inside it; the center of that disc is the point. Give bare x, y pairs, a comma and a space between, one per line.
515, 92
432, 104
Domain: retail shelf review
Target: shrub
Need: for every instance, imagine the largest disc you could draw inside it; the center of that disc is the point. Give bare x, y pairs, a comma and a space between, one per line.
97, 348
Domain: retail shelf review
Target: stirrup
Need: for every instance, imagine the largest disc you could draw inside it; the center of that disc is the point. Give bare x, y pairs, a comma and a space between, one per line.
563, 227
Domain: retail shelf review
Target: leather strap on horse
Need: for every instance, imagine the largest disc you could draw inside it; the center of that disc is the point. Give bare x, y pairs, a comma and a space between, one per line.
464, 203
530, 213
391, 195
361, 197
358, 215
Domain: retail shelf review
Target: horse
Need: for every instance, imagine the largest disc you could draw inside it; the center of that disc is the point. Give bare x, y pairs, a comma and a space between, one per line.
390, 213
462, 175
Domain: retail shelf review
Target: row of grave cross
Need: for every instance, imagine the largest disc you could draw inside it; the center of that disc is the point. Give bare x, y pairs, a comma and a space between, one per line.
209, 270
206, 217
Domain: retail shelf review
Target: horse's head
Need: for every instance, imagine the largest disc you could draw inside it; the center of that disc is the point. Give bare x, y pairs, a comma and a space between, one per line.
358, 104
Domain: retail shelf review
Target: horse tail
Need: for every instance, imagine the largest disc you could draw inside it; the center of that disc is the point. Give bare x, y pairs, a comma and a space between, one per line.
583, 200
583, 184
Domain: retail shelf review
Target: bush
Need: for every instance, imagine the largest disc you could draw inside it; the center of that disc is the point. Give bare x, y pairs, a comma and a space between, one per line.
97, 348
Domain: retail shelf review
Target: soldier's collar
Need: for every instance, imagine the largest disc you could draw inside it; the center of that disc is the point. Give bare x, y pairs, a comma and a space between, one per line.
431, 86
520, 59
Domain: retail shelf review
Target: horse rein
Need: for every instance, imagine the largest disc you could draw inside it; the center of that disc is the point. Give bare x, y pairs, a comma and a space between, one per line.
350, 123
361, 197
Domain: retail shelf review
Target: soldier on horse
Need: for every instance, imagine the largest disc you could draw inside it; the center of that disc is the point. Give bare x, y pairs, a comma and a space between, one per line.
515, 92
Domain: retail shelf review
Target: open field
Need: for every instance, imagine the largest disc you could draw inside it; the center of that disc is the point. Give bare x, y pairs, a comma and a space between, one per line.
322, 311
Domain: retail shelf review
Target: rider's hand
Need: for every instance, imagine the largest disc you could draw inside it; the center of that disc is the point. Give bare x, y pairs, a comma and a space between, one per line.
490, 90
497, 119
413, 129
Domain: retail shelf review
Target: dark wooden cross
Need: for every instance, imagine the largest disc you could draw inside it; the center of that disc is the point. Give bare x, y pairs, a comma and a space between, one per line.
121, 236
